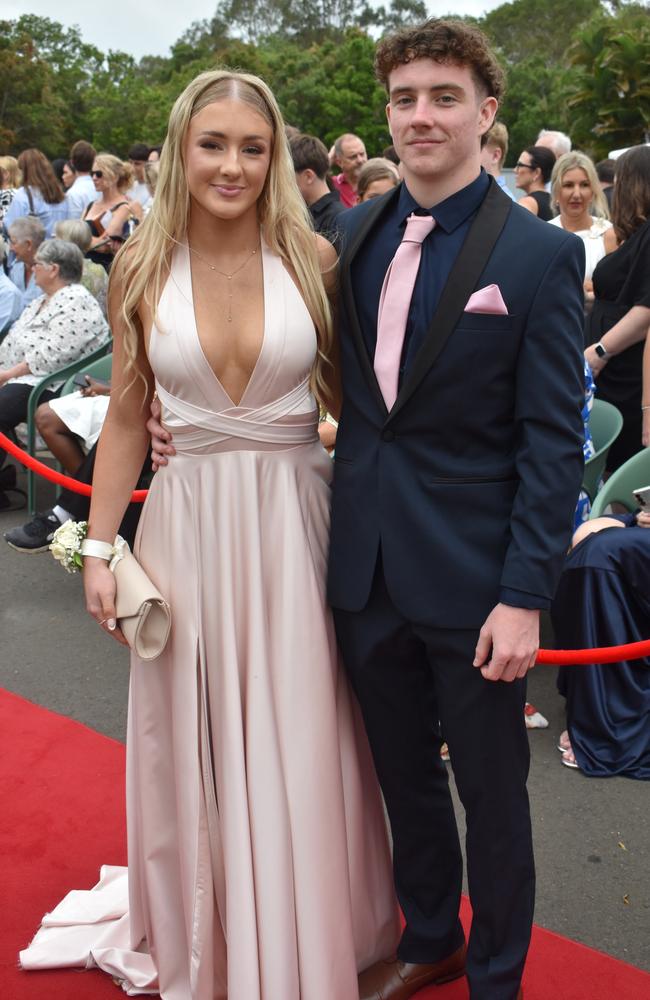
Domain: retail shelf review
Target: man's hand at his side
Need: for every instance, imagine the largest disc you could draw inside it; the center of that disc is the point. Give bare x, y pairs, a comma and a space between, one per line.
161, 440
510, 638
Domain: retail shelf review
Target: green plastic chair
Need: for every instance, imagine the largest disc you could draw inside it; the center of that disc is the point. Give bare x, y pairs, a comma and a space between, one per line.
605, 424
63, 375
632, 475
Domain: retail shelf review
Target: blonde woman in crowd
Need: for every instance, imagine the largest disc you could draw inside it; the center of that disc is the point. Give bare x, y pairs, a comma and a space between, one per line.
582, 209
107, 217
10, 181
258, 861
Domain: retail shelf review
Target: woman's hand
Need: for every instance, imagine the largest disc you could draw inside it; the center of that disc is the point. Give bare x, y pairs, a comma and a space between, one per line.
100, 243
95, 388
327, 434
99, 587
136, 210
596, 363
161, 440
645, 432
22, 368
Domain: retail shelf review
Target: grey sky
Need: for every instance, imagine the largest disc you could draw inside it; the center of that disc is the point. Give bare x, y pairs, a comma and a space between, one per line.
150, 27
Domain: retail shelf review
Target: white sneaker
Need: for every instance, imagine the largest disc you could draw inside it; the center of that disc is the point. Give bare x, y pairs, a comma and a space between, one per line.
533, 718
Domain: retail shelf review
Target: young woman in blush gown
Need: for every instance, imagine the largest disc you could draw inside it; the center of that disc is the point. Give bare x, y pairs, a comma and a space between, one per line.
258, 862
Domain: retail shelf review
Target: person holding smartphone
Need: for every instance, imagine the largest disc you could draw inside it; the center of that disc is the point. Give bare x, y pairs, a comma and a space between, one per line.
108, 216
70, 425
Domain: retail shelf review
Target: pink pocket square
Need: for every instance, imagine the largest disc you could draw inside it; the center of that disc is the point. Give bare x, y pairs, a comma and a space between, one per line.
487, 300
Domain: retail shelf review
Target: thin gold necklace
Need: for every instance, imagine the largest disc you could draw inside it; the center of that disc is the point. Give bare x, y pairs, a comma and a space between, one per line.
225, 274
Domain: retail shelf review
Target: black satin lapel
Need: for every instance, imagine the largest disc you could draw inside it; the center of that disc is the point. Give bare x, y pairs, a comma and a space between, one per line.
470, 264
348, 293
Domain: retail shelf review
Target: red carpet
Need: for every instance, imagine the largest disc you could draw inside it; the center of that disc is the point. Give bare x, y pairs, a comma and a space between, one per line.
63, 816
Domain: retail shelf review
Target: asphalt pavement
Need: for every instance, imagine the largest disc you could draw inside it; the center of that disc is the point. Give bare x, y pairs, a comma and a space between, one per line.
592, 836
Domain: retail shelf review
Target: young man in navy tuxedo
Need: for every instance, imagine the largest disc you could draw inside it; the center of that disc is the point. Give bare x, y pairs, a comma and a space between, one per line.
452, 507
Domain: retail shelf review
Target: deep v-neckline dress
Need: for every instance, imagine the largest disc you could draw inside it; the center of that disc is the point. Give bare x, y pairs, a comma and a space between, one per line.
258, 860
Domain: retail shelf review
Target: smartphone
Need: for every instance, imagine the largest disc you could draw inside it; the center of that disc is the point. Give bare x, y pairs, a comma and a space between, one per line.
80, 380
642, 497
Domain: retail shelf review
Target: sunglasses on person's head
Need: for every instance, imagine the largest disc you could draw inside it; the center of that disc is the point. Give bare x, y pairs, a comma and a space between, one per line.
96, 173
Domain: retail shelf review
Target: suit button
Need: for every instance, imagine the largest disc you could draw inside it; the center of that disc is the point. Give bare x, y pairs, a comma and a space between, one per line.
388, 435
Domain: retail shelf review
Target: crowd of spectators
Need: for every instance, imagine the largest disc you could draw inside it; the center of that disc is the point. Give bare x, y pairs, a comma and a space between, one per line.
53, 290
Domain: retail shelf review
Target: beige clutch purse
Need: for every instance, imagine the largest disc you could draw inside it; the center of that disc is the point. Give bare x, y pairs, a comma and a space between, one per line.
142, 612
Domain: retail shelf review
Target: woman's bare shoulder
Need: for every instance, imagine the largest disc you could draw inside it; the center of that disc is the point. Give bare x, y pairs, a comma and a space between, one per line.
611, 242
529, 203
327, 254
328, 259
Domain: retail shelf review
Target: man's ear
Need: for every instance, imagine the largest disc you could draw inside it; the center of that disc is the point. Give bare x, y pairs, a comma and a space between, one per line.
487, 113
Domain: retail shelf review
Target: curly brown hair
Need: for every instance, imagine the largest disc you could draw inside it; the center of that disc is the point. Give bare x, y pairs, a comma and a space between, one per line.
631, 200
444, 41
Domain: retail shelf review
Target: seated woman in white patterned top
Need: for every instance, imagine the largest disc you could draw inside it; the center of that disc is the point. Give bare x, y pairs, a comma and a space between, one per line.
62, 326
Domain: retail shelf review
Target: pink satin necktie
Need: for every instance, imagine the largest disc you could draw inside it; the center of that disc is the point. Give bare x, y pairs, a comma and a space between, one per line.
394, 304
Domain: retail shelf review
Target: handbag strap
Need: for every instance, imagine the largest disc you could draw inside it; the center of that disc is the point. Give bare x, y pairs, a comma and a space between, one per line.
30, 199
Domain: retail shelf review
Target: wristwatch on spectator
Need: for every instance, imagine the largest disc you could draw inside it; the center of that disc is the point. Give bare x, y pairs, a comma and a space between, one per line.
601, 350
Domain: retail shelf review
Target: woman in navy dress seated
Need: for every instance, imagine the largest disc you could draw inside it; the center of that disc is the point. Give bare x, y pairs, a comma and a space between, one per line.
604, 600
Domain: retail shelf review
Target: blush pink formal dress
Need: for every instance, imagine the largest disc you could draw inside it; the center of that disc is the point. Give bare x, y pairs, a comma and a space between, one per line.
259, 867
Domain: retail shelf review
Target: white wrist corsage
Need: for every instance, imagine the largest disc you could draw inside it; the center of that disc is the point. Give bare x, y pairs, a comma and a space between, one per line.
66, 544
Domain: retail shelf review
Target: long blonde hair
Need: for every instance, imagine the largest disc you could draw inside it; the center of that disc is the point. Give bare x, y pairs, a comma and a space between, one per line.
146, 259
580, 161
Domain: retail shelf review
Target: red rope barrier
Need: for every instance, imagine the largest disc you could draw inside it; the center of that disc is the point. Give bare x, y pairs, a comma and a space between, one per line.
138, 496
563, 657
602, 654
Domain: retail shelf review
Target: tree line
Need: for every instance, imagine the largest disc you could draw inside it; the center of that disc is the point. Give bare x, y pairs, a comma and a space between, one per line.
582, 66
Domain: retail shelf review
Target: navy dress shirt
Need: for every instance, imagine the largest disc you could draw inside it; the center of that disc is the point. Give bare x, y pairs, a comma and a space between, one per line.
439, 251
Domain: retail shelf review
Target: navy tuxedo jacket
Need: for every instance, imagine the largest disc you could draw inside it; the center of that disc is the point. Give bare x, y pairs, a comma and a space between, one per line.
469, 484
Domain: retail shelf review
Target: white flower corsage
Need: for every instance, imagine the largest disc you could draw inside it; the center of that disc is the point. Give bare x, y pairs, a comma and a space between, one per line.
66, 544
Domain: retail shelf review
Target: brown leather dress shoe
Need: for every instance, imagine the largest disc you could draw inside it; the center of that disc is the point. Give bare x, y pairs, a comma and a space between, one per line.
396, 980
